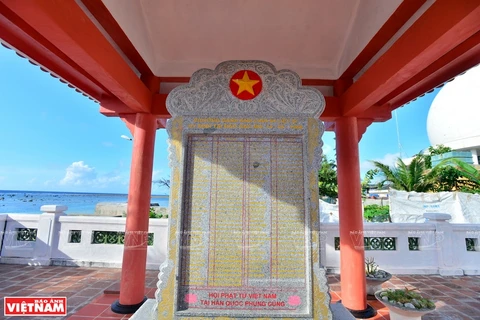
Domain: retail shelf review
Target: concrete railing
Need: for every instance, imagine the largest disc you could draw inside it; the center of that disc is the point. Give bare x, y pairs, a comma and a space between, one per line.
434, 247
53, 238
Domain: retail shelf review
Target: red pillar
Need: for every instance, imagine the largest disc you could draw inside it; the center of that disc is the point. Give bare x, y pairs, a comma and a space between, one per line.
352, 255
132, 285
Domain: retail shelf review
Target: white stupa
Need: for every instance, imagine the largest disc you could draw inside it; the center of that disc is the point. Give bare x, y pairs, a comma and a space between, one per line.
454, 116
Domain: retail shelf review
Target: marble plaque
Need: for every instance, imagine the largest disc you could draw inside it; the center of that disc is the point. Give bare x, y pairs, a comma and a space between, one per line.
244, 240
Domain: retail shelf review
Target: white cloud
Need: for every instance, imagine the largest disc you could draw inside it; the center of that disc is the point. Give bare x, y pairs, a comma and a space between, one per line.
78, 173
2, 178
107, 144
32, 181
81, 174
389, 159
327, 149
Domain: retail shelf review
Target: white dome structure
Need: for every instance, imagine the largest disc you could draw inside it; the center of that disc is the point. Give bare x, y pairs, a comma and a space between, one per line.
454, 116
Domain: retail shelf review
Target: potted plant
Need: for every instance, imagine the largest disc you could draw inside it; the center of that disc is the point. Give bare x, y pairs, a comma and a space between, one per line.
375, 277
404, 303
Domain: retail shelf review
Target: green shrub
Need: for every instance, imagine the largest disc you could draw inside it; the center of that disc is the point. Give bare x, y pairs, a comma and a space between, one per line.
376, 213
154, 215
395, 296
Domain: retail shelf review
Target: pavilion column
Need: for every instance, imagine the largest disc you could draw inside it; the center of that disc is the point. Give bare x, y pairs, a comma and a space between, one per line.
132, 285
352, 255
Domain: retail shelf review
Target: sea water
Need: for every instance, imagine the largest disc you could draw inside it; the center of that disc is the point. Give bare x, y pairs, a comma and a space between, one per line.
77, 202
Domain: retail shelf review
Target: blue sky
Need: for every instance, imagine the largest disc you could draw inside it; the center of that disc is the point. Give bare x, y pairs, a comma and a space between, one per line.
55, 139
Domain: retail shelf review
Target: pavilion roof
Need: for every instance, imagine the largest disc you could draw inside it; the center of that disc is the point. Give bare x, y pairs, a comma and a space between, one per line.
367, 57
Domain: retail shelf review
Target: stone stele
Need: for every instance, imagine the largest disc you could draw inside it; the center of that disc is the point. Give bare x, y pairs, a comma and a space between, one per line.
244, 227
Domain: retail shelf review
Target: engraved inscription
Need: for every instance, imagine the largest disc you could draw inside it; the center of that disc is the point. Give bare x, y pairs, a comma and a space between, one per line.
243, 238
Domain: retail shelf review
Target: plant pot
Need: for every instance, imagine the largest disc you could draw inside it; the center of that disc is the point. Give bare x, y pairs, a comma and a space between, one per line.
375, 284
402, 313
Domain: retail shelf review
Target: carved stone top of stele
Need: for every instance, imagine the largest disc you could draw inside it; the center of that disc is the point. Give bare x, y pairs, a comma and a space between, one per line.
209, 93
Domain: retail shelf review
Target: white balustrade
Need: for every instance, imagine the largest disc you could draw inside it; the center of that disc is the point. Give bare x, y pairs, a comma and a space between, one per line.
53, 238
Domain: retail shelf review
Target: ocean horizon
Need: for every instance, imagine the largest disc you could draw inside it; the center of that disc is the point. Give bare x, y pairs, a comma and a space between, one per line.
27, 201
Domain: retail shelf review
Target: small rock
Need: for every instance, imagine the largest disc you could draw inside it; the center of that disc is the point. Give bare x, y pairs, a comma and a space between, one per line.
409, 305
417, 304
385, 298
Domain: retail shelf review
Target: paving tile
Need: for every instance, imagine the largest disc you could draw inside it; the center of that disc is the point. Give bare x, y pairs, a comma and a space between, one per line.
449, 316
75, 317
106, 299
92, 310
7, 283
468, 293
50, 290
89, 292
66, 294
150, 293
397, 281
76, 301
449, 301
24, 293
101, 284
20, 277
64, 283
108, 313
113, 288
475, 305
444, 316
442, 287
11, 290
415, 283
432, 293
467, 310
441, 307
406, 278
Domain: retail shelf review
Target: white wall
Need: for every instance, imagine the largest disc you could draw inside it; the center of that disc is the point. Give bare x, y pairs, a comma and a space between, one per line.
11, 247
52, 246
442, 245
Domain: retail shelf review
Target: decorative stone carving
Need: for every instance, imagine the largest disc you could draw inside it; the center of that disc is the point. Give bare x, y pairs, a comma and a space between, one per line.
208, 93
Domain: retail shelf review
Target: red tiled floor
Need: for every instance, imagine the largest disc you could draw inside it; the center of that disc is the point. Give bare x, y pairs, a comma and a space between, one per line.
459, 302
92, 309
106, 299
456, 297
81, 286
110, 314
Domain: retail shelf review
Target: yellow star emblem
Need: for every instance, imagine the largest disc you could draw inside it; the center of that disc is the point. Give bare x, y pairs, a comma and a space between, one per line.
245, 84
